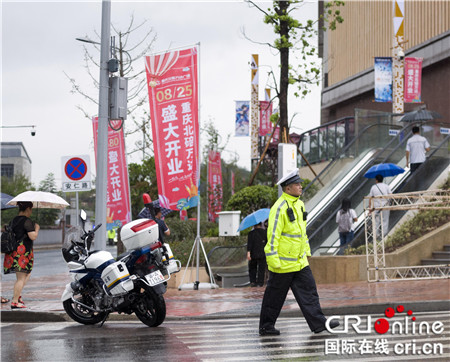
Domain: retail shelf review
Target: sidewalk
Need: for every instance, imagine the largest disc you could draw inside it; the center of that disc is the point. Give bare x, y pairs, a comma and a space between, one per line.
42, 296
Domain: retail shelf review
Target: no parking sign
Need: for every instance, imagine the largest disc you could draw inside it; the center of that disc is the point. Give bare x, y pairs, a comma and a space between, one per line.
76, 173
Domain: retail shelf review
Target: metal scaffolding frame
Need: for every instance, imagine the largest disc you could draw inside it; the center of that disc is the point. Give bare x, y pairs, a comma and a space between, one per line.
376, 235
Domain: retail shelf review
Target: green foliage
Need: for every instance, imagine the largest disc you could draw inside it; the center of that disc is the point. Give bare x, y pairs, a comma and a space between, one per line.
181, 230
312, 190
422, 223
142, 180
13, 187
252, 198
182, 249
47, 217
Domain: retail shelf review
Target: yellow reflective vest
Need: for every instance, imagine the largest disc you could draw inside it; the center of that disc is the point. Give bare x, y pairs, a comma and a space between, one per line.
287, 245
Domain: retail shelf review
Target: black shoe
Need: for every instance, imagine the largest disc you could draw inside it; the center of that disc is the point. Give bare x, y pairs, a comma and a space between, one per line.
269, 332
253, 285
333, 324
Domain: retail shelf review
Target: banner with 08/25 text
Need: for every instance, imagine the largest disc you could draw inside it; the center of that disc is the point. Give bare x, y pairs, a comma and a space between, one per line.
118, 204
172, 79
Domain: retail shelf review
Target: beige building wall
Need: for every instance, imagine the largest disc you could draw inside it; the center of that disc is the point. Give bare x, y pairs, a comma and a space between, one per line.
367, 32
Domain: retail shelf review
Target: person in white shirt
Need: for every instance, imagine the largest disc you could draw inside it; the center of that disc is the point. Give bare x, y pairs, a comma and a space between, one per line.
345, 218
415, 149
379, 189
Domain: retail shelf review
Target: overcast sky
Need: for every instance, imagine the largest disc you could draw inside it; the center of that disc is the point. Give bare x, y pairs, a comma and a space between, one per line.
38, 46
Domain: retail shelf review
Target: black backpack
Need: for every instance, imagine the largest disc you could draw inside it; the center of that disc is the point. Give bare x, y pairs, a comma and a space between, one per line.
9, 240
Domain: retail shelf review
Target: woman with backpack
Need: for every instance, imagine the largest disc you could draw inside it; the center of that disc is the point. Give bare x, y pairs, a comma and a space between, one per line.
20, 261
345, 218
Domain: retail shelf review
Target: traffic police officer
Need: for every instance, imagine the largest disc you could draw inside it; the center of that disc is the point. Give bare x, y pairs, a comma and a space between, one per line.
287, 251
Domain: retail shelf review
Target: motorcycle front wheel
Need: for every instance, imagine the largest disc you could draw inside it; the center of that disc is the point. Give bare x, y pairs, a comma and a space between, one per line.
150, 308
81, 314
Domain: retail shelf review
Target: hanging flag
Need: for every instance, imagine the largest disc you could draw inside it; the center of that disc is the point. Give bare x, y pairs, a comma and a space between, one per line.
413, 80
383, 79
214, 185
254, 152
242, 123
118, 204
265, 126
172, 80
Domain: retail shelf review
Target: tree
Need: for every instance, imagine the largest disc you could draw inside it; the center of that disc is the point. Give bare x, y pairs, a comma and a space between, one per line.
128, 52
252, 198
47, 217
295, 37
13, 187
142, 179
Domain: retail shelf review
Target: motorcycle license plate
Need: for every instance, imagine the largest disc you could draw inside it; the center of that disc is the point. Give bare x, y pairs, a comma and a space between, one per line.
155, 278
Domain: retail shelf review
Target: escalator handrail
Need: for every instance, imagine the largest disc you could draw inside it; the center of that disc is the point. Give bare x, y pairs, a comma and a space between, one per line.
366, 180
345, 149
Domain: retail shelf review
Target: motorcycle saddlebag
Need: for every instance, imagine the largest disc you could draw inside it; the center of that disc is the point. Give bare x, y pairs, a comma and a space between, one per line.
117, 278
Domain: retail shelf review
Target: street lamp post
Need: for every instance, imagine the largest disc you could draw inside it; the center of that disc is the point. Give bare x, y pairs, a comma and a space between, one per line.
102, 135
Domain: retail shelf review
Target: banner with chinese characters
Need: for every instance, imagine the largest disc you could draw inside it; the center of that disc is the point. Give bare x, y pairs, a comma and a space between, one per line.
265, 109
383, 79
413, 80
118, 204
172, 80
214, 185
242, 123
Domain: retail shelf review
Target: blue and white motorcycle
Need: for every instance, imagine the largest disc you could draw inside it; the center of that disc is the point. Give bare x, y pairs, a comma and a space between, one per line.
134, 283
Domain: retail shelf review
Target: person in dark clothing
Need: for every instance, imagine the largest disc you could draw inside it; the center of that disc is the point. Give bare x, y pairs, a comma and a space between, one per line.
257, 240
21, 260
162, 227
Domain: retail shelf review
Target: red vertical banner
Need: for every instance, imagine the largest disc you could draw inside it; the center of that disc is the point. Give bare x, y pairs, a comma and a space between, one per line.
413, 80
265, 111
214, 184
172, 80
118, 205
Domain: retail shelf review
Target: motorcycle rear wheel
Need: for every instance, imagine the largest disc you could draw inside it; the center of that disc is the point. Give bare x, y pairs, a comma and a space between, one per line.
151, 309
82, 315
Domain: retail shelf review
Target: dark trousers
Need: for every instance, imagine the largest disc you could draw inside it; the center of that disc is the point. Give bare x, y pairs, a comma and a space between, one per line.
414, 166
304, 288
257, 270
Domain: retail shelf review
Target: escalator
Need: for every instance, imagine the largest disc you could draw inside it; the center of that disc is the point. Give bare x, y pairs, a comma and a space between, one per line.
344, 178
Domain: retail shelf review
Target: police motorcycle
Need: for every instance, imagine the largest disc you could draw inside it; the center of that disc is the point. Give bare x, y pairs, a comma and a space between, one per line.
134, 283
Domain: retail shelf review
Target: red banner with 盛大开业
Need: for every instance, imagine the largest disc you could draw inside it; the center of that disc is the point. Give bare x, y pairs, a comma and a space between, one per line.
172, 79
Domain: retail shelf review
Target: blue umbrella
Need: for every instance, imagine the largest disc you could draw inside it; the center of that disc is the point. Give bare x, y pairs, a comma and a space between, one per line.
383, 169
5, 199
254, 218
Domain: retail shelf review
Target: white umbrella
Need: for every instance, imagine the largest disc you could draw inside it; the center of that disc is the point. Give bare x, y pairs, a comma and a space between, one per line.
40, 199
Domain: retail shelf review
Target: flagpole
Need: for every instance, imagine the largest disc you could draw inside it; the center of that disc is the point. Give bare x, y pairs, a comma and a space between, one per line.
198, 241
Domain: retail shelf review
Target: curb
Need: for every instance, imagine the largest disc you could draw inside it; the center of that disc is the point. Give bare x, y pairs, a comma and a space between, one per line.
43, 317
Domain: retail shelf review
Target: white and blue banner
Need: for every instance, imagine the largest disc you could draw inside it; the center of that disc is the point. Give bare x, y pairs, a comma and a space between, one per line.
383, 79
242, 123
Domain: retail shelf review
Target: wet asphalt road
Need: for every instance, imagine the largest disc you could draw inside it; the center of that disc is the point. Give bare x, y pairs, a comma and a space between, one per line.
216, 340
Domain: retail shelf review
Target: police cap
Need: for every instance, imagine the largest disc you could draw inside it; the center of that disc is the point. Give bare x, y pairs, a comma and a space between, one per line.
291, 178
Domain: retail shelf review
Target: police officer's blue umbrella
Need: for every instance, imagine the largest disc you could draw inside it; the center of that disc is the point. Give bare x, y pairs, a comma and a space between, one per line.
254, 218
383, 169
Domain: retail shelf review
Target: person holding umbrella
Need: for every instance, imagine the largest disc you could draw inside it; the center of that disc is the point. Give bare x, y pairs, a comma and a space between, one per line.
380, 188
21, 260
257, 239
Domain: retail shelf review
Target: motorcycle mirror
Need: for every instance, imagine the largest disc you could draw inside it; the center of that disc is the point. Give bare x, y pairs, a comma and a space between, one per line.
83, 215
